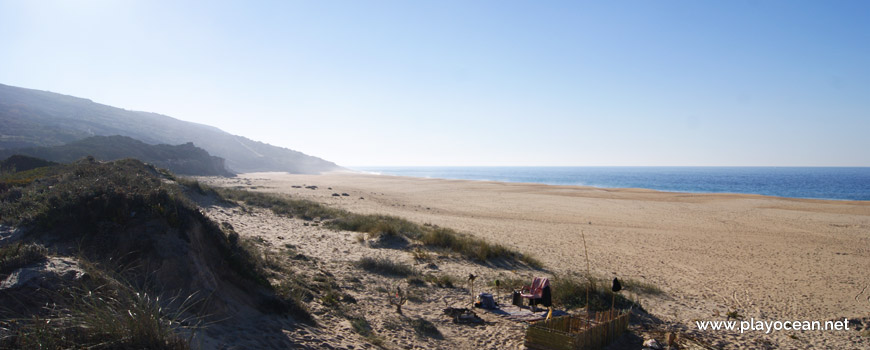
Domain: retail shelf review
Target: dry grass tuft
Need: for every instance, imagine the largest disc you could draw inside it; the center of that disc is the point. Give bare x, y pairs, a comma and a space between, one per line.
386, 267
381, 227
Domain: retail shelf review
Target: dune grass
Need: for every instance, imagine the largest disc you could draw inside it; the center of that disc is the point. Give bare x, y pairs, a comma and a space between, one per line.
280, 205
91, 204
361, 326
15, 256
569, 291
441, 280
641, 287
378, 226
99, 323
386, 267
290, 300
425, 328
102, 312
81, 195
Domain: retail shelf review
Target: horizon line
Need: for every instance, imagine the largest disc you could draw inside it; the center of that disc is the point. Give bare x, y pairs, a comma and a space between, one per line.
606, 166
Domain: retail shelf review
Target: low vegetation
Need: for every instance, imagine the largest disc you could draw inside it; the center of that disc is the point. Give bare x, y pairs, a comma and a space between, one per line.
95, 204
181, 159
114, 216
17, 162
734, 314
16, 256
291, 301
386, 267
425, 328
101, 313
12, 177
298, 208
569, 291
86, 193
378, 226
641, 287
361, 326
441, 280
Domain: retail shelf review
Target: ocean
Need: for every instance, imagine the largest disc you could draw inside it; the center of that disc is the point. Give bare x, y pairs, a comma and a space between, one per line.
842, 183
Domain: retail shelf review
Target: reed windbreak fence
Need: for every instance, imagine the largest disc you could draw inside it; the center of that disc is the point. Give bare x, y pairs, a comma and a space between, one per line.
577, 332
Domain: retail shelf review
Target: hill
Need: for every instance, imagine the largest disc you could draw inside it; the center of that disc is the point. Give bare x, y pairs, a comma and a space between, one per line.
19, 162
33, 118
182, 159
124, 259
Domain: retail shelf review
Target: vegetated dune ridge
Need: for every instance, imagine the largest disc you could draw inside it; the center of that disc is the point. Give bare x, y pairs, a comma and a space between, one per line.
765, 258
184, 159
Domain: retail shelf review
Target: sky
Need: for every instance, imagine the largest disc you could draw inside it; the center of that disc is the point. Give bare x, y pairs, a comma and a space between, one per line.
531, 83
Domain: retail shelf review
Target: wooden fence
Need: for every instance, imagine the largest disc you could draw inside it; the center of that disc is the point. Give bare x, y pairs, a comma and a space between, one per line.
577, 332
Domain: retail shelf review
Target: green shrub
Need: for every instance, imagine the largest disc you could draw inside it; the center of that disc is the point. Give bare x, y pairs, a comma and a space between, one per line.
25, 177
82, 195
17, 162
13, 257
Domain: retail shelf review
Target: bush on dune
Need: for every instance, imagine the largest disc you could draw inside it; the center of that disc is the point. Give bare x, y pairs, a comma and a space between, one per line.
118, 215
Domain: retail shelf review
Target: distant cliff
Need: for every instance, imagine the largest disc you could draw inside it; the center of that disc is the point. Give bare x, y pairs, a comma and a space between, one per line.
33, 118
184, 159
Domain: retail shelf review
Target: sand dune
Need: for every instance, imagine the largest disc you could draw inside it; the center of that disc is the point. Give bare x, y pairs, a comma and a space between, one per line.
766, 258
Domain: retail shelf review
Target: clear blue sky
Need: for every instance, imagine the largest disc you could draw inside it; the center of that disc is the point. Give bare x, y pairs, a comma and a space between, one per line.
473, 82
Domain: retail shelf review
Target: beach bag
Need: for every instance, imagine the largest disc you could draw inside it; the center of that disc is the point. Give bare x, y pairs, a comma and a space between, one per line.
516, 298
486, 301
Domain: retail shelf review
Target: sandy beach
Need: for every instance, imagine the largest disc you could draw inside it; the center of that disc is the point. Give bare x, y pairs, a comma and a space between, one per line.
766, 258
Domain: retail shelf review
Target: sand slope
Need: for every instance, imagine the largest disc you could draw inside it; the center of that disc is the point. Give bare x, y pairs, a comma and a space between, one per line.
764, 257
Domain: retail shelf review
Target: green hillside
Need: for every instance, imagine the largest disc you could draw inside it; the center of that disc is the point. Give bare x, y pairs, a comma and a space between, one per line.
182, 159
23, 163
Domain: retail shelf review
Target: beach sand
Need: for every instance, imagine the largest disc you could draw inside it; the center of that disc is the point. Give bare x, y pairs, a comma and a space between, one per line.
766, 258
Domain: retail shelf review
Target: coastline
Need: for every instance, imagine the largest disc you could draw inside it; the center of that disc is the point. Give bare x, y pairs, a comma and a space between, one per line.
588, 187
825, 183
765, 257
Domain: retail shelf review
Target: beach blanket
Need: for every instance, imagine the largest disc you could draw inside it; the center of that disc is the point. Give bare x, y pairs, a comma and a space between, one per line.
516, 313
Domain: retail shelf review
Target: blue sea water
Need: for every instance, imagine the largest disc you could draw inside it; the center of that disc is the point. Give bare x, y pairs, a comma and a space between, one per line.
844, 183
